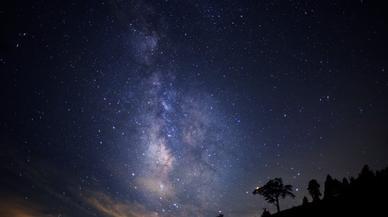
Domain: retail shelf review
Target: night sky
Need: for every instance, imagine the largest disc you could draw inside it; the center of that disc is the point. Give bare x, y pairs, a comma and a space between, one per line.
181, 108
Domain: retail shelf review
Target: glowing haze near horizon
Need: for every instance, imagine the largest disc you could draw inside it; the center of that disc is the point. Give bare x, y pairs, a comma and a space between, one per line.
170, 108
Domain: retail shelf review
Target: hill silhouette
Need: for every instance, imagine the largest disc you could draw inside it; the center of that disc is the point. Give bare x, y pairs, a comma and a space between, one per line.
365, 195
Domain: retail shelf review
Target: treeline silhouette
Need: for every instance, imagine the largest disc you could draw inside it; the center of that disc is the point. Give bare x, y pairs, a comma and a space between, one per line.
365, 195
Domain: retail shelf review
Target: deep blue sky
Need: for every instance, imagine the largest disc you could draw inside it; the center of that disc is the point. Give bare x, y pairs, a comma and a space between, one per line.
181, 108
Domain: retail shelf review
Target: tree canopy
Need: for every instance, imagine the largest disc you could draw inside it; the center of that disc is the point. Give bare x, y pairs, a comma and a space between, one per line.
273, 190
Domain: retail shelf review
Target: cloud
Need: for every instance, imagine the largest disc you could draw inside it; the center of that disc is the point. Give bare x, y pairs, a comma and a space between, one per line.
17, 207
109, 207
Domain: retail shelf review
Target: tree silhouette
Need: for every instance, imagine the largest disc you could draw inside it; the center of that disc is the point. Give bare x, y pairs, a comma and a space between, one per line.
333, 188
313, 189
345, 181
305, 201
328, 187
273, 190
366, 174
265, 213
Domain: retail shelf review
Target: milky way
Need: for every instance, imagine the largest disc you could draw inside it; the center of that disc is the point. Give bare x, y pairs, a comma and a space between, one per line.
182, 147
182, 150
148, 108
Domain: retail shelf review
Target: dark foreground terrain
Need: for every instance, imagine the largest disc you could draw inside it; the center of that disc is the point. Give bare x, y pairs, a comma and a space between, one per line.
364, 196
